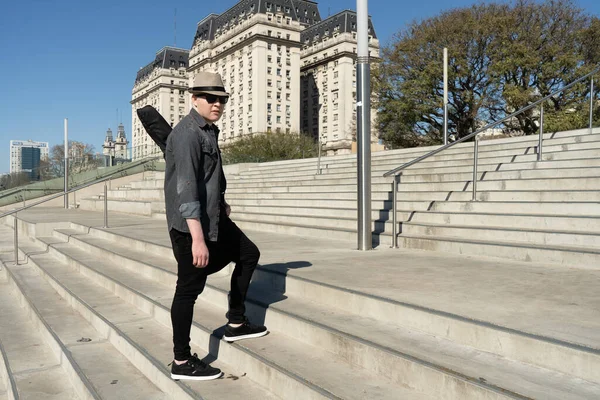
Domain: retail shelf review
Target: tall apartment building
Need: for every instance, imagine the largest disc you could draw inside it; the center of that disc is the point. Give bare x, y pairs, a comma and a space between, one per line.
286, 69
162, 84
255, 46
328, 82
23, 158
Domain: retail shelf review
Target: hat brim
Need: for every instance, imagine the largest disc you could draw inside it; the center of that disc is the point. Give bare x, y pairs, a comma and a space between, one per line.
216, 93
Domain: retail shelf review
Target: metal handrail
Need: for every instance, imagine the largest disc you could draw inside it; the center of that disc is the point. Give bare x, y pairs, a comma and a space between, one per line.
66, 193
489, 126
395, 171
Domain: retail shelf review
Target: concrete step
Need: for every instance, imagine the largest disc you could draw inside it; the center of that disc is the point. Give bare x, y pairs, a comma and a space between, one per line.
465, 166
558, 138
276, 352
570, 256
327, 329
571, 183
139, 207
382, 224
365, 305
132, 328
421, 178
30, 367
566, 207
490, 195
576, 240
523, 221
138, 194
579, 151
569, 209
96, 362
463, 148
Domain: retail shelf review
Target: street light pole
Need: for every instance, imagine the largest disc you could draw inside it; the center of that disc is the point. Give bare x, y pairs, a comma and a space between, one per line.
363, 114
445, 96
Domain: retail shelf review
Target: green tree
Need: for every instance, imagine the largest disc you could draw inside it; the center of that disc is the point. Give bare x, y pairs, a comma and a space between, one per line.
501, 57
539, 51
410, 82
263, 147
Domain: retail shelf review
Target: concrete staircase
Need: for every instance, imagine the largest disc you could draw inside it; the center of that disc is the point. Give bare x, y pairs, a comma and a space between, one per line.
526, 210
85, 313
96, 303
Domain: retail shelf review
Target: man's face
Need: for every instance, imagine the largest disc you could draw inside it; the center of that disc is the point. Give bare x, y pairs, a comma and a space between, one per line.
210, 107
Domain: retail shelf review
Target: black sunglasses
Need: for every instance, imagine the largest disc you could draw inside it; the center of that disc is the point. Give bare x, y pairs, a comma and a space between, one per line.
212, 99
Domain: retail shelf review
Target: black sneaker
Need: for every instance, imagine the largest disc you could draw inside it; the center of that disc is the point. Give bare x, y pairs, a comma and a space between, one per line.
194, 370
244, 331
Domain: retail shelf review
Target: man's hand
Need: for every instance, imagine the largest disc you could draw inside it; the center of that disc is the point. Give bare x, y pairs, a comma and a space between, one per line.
200, 253
199, 249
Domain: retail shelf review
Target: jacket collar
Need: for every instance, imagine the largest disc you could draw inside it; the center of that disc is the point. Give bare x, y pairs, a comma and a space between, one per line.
202, 122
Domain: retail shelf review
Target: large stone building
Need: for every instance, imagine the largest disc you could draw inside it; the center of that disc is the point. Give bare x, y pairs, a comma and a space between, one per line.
287, 71
162, 84
25, 155
328, 82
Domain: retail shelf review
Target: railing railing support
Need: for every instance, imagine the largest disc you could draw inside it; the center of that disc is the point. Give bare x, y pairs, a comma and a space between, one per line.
541, 140
105, 205
319, 160
591, 103
395, 212
16, 239
475, 165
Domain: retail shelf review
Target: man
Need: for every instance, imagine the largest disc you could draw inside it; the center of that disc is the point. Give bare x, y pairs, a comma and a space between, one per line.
203, 237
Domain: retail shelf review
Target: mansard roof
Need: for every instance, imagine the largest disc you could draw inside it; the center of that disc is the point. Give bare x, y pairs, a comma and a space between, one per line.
344, 21
304, 11
167, 57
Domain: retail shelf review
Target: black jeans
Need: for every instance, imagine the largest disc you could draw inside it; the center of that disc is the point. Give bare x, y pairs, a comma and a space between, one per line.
232, 245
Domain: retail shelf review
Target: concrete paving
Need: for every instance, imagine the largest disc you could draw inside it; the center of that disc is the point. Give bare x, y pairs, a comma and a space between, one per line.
543, 299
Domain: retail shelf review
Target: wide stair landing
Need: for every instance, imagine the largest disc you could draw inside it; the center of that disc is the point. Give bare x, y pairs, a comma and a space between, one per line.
525, 210
344, 324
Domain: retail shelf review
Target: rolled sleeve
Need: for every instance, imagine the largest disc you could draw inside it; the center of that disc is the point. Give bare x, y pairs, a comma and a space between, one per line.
187, 153
190, 210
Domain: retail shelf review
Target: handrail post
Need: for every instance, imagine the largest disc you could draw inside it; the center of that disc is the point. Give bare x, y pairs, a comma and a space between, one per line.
16, 239
475, 165
319, 159
105, 205
541, 140
395, 213
66, 162
591, 103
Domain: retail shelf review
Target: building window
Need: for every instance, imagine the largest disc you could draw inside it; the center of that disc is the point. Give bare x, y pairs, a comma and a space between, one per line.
269, 58
278, 119
287, 85
269, 70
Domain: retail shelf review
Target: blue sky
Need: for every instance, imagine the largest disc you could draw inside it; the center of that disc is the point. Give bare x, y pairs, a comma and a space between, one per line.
78, 59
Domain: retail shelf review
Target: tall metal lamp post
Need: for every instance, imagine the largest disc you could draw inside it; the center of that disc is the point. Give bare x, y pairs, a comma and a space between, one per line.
363, 113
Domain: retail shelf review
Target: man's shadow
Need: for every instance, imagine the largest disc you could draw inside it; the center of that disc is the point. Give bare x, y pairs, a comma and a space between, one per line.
268, 286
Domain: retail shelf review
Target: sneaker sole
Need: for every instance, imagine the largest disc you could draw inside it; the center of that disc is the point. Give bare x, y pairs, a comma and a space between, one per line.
196, 378
249, 336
